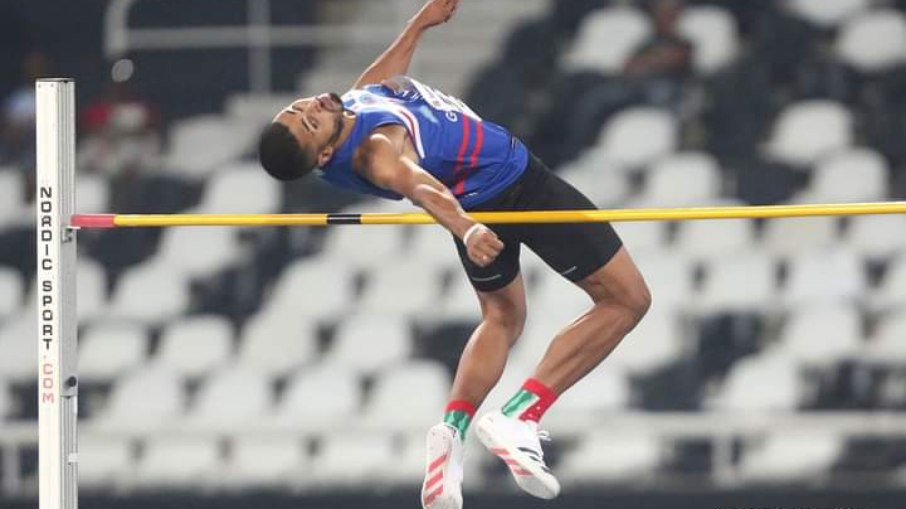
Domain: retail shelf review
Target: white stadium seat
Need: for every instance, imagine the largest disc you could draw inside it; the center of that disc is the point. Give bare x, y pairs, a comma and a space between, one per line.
199, 145
239, 188
264, 462
877, 237
769, 382
277, 343
460, 302
194, 346
638, 136
605, 389
256, 109
231, 399
684, 179
162, 401
92, 290
740, 283
821, 335
874, 41
197, 251
827, 13
364, 247
806, 131
105, 461
11, 292
669, 278
596, 177
642, 237
824, 276
369, 342
432, 248
150, 294
788, 456
92, 194
178, 462
855, 175
713, 240
317, 288
12, 205
712, 31
17, 342
629, 456
426, 386
109, 349
332, 467
655, 342
606, 39
320, 398
400, 288
792, 236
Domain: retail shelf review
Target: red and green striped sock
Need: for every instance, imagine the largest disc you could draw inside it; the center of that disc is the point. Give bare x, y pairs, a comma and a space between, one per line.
530, 403
459, 414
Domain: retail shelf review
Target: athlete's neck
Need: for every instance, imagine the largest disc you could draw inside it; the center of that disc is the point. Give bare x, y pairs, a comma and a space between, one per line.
348, 120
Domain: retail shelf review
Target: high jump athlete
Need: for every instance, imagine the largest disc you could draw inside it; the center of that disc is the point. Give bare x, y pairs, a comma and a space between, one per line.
394, 137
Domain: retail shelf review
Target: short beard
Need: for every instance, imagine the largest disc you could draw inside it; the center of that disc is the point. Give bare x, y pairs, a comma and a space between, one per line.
337, 130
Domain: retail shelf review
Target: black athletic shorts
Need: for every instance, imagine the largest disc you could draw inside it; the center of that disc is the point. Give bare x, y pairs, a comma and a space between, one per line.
575, 250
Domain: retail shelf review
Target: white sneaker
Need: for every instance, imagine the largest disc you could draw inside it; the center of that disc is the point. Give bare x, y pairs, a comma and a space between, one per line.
517, 443
442, 488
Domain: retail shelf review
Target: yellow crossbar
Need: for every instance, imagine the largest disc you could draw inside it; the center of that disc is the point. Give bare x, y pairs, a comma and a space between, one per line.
523, 217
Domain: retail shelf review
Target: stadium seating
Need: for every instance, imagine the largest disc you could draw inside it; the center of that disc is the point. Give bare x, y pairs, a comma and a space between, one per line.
331, 340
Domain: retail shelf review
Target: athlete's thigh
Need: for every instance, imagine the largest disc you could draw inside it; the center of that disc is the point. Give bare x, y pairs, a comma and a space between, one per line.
574, 250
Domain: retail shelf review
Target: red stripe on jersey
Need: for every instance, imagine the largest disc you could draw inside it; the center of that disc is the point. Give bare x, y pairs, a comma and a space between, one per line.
473, 159
461, 156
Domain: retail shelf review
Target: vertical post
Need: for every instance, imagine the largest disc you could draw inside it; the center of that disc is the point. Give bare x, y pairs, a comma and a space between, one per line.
56, 242
259, 29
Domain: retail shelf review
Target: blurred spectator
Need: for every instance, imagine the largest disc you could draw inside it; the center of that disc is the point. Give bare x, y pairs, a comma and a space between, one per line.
17, 130
666, 54
655, 75
120, 133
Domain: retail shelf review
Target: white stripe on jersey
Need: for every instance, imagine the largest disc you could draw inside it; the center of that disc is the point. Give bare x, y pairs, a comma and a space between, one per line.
393, 107
412, 124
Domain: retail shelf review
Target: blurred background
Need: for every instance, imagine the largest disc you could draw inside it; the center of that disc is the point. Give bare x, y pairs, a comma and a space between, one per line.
300, 367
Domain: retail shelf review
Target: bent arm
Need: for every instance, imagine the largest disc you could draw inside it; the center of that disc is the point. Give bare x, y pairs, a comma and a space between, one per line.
396, 59
381, 160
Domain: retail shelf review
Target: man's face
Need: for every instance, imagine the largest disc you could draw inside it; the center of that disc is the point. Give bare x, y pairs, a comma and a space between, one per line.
666, 15
315, 122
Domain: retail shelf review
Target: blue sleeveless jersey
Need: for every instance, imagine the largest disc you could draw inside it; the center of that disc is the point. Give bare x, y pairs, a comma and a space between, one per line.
475, 159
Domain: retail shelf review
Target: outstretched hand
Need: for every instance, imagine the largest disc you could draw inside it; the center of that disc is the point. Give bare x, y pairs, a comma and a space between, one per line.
435, 12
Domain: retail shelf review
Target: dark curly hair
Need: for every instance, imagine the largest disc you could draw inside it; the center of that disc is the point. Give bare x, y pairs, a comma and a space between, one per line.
281, 155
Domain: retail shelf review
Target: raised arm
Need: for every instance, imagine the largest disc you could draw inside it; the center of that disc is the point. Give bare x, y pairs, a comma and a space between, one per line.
395, 60
382, 159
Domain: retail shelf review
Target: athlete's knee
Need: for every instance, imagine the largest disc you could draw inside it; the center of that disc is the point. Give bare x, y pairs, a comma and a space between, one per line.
507, 315
632, 295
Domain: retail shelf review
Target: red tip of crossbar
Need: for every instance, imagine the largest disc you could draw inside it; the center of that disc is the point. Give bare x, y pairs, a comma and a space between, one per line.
93, 221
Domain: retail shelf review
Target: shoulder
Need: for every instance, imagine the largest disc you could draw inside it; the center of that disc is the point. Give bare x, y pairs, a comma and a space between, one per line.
393, 135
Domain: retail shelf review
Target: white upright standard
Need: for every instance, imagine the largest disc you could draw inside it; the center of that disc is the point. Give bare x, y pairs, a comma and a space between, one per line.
56, 341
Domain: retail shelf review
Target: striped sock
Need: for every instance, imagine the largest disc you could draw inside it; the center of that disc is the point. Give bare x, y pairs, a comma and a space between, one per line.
459, 414
530, 403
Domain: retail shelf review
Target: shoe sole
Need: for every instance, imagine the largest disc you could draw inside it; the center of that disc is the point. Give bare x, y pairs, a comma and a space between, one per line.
438, 444
531, 483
